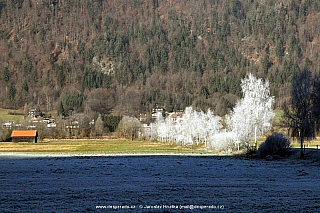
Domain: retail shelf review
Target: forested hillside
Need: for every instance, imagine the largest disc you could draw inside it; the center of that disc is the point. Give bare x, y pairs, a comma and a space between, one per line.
123, 56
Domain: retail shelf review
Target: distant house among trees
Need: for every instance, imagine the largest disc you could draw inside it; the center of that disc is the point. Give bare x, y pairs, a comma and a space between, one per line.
176, 116
142, 117
73, 125
7, 125
34, 112
24, 136
157, 112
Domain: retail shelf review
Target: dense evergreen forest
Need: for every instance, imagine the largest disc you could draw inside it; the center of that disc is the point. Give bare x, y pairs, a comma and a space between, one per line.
123, 56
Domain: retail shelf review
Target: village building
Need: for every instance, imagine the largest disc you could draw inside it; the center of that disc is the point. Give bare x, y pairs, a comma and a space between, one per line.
73, 125
158, 112
11, 125
176, 116
145, 130
7, 125
34, 112
51, 125
143, 117
24, 136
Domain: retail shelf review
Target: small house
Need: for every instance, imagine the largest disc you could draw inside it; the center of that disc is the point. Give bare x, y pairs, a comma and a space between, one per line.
34, 112
158, 112
24, 136
7, 125
143, 117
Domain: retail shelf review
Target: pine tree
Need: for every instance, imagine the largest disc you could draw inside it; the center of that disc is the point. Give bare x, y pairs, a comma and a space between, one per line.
61, 111
12, 92
6, 74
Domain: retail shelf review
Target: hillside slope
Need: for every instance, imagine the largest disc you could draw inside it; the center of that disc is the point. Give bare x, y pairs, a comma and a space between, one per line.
125, 56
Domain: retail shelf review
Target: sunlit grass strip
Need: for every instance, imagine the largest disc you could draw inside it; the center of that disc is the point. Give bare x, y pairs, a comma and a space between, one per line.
5, 116
294, 143
109, 147
278, 116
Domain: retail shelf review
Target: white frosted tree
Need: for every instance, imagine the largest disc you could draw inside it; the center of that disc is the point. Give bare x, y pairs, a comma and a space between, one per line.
178, 132
212, 125
194, 128
161, 128
171, 128
252, 115
152, 131
222, 141
200, 127
187, 127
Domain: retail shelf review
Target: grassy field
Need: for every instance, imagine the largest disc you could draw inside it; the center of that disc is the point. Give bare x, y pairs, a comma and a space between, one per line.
311, 144
99, 146
294, 143
278, 114
107, 146
5, 116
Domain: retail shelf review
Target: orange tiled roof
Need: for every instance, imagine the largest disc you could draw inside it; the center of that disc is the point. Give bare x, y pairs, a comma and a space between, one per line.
24, 133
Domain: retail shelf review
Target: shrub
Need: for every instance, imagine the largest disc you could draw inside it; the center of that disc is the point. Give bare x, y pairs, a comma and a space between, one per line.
129, 127
112, 122
222, 141
275, 144
5, 134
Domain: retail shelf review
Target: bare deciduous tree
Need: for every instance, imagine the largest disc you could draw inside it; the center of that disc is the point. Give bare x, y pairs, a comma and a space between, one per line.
299, 114
99, 126
129, 127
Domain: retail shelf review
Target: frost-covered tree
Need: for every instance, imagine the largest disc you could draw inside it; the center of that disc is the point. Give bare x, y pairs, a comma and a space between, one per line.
162, 130
212, 125
222, 141
194, 127
152, 131
182, 129
252, 115
200, 130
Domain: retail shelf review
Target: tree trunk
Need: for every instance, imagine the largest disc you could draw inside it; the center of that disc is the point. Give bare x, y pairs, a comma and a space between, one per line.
255, 136
301, 147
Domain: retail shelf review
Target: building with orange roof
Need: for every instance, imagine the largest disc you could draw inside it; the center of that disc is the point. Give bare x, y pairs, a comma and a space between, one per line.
24, 136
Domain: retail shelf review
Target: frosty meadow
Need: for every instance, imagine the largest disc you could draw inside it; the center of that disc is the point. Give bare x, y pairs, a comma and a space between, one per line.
79, 184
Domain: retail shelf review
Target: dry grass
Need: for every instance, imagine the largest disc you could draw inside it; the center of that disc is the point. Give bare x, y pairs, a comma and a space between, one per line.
98, 146
294, 143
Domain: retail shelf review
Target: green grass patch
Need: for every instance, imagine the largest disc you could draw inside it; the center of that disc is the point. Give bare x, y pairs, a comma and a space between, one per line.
100, 146
278, 115
5, 116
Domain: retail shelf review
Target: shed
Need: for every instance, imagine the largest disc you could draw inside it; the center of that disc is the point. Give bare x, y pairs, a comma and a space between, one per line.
24, 136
